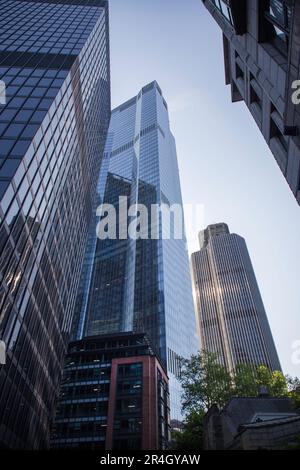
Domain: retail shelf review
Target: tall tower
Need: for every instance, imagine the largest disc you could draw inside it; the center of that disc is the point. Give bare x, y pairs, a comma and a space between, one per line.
54, 62
144, 284
232, 318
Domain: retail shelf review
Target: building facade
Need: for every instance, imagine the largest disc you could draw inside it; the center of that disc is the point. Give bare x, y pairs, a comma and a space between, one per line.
141, 284
54, 62
252, 423
114, 395
261, 53
231, 317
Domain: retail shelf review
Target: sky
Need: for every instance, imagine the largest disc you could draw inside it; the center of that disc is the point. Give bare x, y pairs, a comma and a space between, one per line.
224, 163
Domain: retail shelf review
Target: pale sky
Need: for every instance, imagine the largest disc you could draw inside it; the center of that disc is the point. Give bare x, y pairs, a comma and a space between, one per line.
224, 162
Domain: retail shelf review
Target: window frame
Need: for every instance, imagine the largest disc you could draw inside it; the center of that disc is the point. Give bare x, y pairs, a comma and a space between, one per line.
284, 27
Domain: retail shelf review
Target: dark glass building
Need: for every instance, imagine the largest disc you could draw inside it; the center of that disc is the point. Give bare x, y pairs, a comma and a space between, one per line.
54, 62
141, 284
114, 395
262, 62
232, 319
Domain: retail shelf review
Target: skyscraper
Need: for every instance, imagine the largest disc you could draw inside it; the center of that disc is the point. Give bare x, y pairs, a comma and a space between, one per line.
232, 319
261, 53
54, 62
143, 284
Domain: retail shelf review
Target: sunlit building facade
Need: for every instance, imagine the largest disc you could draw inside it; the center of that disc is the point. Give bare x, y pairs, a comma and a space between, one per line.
54, 62
232, 320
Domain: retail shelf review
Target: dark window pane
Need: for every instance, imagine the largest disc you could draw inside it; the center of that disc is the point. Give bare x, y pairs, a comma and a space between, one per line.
20, 147
30, 131
6, 146
23, 116
14, 130
9, 168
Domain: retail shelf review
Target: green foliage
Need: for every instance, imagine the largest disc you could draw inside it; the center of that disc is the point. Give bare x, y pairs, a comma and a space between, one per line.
278, 386
263, 376
191, 437
205, 382
244, 381
275, 382
294, 391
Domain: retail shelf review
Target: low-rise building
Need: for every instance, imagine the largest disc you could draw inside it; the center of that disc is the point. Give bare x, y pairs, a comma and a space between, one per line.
114, 395
251, 423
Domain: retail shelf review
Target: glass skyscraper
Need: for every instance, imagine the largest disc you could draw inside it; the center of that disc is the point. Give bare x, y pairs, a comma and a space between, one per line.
54, 61
141, 285
232, 319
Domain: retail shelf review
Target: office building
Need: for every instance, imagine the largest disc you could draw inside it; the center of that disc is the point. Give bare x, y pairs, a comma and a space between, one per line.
261, 53
141, 284
54, 62
114, 395
231, 316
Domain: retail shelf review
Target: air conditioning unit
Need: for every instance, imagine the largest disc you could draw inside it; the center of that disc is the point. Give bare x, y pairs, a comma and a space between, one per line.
2, 353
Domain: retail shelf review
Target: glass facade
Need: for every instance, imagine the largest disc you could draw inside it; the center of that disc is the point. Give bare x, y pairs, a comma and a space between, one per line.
54, 61
144, 284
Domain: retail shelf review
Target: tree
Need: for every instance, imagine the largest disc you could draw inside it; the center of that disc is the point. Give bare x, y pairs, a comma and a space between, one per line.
294, 391
191, 437
275, 382
263, 376
244, 381
205, 382
278, 385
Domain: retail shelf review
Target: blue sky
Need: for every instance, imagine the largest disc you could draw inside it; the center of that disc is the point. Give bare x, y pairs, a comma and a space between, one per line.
224, 161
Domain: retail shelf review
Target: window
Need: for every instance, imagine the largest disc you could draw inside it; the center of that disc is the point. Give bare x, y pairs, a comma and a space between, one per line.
224, 7
239, 71
9, 168
14, 130
6, 146
130, 370
256, 93
275, 132
278, 15
254, 98
275, 128
20, 148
